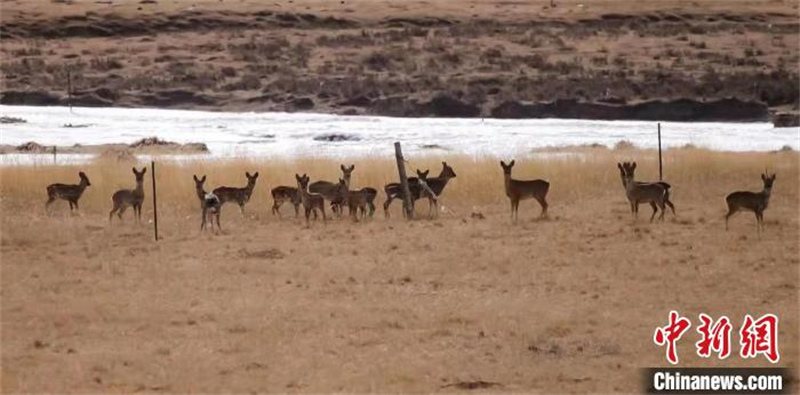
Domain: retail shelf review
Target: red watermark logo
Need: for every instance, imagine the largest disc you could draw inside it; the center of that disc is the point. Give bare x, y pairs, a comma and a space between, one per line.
756, 336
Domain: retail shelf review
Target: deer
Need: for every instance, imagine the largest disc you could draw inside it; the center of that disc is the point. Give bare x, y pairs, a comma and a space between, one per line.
436, 184
311, 201
517, 190
357, 201
756, 202
209, 204
655, 193
281, 194
125, 198
370, 194
332, 191
666, 186
69, 192
239, 195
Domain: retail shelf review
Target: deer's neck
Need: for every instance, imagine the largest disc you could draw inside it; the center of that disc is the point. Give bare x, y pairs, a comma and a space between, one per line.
766, 193
507, 181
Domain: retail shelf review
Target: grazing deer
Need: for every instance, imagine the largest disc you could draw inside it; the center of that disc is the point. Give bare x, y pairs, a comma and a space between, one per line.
655, 193
436, 184
283, 194
756, 202
332, 191
517, 190
209, 204
69, 192
239, 195
311, 201
125, 198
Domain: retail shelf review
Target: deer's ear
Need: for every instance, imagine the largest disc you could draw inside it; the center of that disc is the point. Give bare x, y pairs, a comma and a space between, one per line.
773, 176
502, 164
203, 179
512, 162
342, 167
763, 177
144, 169
255, 175
352, 167
195, 178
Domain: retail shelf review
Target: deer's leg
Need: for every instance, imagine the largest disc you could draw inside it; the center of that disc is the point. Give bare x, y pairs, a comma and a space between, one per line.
668, 203
111, 213
203, 221
50, 200
386, 205
543, 203
663, 211
655, 210
371, 208
76, 205
276, 206
241, 208
322, 208
120, 211
731, 212
296, 209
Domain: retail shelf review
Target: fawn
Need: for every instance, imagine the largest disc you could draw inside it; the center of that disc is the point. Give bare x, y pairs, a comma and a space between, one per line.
283, 194
209, 204
756, 202
655, 193
332, 191
69, 192
311, 201
436, 184
125, 198
239, 195
356, 201
517, 190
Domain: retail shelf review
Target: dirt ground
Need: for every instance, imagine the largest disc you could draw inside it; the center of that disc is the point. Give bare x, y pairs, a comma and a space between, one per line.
393, 57
566, 304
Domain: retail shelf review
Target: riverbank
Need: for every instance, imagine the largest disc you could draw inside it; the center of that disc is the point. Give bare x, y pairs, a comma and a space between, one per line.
441, 59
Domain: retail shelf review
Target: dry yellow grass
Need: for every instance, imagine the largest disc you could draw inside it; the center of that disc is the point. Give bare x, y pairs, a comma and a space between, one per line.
567, 304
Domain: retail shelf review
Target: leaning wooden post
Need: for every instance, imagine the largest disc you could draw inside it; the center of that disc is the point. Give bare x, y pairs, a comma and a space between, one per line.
660, 171
155, 201
55, 160
401, 170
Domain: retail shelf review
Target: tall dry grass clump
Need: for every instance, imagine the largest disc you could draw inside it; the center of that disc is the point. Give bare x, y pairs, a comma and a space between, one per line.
578, 174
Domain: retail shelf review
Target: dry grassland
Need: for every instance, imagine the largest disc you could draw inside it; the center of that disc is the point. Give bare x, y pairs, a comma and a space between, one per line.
566, 304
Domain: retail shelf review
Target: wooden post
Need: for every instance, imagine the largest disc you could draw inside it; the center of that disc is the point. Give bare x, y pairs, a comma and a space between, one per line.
155, 201
69, 89
55, 161
408, 209
660, 169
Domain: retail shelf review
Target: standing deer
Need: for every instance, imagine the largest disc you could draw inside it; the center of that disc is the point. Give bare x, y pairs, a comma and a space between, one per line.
655, 193
756, 202
209, 204
69, 192
357, 201
517, 190
311, 201
239, 195
666, 186
283, 194
436, 184
125, 198
332, 191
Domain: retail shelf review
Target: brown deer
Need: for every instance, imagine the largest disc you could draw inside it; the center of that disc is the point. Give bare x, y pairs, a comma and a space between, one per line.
655, 193
125, 198
436, 184
666, 186
69, 192
332, 191
756, 202
209, 204
356, 201
239, 195
311, 201
283, 194
517, 190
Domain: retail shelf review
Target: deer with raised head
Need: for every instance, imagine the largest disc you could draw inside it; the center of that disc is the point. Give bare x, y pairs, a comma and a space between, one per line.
436, 184
517, 190
666, 186
332, 191
356, 201
238, 195
311, 201
210, 204
69, 192
125, 198
756, 202
655, 193
282, 194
